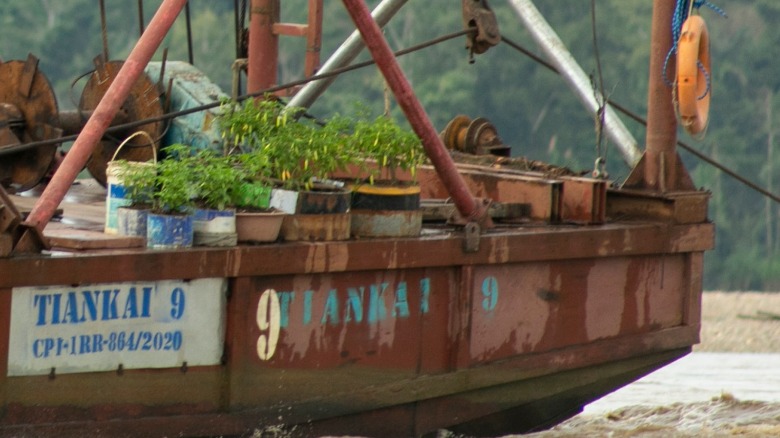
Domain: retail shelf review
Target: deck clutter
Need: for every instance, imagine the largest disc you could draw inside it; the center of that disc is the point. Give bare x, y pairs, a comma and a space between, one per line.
410, 282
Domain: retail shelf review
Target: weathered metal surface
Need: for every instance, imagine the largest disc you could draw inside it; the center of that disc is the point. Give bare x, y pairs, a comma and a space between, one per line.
411, 329
439, 210
543, 195
406, 327
15, 237
579, 302
386, 223
661, 169
678, 207
27, 96
583, 200
187, 88
477, 136
263, 45
501, 246
142, 102
316, 227
477, 14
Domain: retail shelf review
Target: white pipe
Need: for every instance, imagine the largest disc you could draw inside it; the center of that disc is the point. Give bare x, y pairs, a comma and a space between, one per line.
578, 81
347, 52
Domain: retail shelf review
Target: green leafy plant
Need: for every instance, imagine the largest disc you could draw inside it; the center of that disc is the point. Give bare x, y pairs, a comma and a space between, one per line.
330, 148
217, 179
174, 181
296, 153
390, 146
248, 126
139, 179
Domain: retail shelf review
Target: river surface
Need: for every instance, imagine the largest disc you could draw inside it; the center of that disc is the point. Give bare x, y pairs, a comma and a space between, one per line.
700, 395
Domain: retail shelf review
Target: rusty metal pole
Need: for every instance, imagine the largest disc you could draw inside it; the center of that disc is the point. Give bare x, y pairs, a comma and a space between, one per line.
470, 208
313, 38
106, 110
661, 138
263, 45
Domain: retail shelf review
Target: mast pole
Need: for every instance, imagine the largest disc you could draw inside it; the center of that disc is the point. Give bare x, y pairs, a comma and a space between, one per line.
263, 45
660, 161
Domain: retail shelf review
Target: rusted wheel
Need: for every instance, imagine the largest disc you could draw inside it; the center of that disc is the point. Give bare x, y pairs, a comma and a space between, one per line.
28, 112
454, 134
480, 133
142, 103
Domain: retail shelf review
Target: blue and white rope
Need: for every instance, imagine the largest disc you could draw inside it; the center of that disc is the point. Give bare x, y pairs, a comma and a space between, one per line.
681, 9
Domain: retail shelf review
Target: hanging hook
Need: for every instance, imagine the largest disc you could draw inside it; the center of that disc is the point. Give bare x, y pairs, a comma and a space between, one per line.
478, 15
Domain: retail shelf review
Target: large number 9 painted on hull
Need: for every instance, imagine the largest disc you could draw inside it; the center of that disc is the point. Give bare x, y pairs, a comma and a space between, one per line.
268, 321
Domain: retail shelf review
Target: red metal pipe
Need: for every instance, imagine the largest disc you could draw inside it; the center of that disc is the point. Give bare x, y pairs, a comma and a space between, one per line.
106, 110
469, 207
263, 45
313, 38
661, 138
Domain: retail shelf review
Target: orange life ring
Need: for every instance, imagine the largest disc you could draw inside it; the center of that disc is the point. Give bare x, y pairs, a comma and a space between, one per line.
693, 73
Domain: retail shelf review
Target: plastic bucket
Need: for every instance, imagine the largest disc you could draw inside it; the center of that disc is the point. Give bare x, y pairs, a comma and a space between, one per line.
214, 227
115, 198
116, 192
169, 231
132, 221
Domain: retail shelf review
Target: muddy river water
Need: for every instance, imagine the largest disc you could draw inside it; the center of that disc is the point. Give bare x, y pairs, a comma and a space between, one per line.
700, 395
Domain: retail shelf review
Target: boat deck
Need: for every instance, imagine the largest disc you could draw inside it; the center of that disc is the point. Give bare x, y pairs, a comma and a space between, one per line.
80, 219
590, 291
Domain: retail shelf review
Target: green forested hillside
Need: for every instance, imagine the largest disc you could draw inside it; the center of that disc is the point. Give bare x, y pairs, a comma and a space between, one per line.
532, 107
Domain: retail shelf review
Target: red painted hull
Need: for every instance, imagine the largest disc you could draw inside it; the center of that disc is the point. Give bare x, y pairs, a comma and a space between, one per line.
384, 337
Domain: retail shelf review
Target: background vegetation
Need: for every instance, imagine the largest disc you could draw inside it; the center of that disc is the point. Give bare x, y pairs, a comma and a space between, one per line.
532, 108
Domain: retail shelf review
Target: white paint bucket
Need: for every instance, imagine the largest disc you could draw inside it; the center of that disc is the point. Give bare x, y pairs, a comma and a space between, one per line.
115, 189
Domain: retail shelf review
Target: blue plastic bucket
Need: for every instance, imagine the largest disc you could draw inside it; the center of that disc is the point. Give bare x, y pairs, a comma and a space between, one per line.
165, 231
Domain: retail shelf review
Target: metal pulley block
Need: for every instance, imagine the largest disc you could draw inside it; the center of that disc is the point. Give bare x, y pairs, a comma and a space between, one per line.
478, 137
142, 103
28, 113
477, 14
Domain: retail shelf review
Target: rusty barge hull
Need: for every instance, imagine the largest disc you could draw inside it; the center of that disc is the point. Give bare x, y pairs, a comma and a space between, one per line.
375, 337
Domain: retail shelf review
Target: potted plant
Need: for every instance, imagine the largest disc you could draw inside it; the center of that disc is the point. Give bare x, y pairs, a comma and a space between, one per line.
138, 183
256, 220
387, 203
300, 159
169, 224
321, 207
255, 183
217, 181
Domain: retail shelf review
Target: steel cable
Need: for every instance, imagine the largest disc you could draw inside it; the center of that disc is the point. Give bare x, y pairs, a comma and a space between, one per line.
168, 116
642, 121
